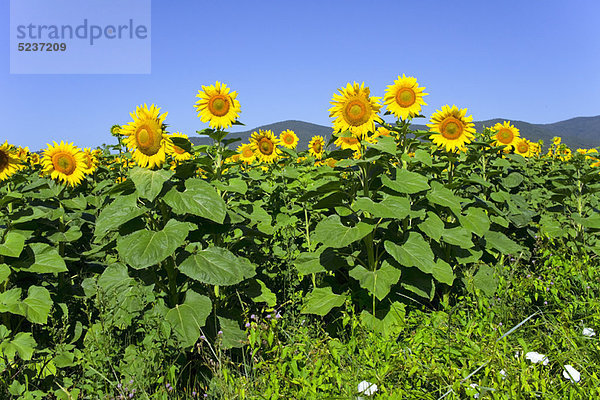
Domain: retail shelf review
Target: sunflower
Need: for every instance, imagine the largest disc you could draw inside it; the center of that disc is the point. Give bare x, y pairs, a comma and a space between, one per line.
115, 130
146, 138
217, 106
177, 152
264, 144
404, 98
288, 139
9, 161
246, 153
381, 131
451, 128
90, 161
506, 134
348, 142
354, 110
64, 162
316, 146
23, 153
523, 147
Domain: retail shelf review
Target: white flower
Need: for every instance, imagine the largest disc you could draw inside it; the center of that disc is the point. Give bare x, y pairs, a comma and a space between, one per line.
474, 386
367, 388
503, 373
589, 332
571, 374
536, 357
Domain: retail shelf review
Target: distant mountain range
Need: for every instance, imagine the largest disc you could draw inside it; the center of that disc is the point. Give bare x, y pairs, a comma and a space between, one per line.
580, 132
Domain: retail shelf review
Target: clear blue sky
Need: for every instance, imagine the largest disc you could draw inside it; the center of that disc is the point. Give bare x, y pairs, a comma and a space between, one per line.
536, 61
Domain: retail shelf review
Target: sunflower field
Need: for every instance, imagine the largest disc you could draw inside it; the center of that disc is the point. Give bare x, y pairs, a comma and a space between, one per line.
417, 263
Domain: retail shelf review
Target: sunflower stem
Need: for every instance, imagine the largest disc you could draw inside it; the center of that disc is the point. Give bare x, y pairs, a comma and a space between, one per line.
172, 276
369, 238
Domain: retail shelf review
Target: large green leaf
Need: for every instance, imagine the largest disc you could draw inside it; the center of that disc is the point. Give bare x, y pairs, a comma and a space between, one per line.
476, 221
442, 272
142, 249
485, 281
23, 344
233, 336
418, 282
41, 258
4, 272
10, 301
386, 325
377, 282
217, 266
149, 183
13, 245
387, 144
433, 226
500, 242
37, 305
443, 197
199, 198
123, 209
322, 300
406, 182
188, 318
415, 252
390, 207
114, 278
332, 233
309, 263
458, 236
551, 227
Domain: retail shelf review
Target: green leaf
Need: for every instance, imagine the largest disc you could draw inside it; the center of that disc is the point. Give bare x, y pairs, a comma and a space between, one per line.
4, 272
22, 344
322, 300
75, 203
123, 209
309, 263
377, 282
458, 236
13, 245
114, 279
415, 252
149, 183
502, 243
143, 248
443, 197
476, 221
443, 272
549, 226
259, 292
233, 336
423, 157
485, 281
187, 319
386, 325
390, 207
406, 182
433, 226
41, 258
513, 180
199, 198
37, 305
217, 266
332, 233
418, 282
10, 301
386, 144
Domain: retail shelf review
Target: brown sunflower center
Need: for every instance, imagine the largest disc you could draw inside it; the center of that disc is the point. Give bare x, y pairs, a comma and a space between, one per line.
218, 105
247, 152
148, 140
288, 139
4, 160
64, 163
505, 136
351, 140
317, 147
88, 160
356, 112
406, 97
452, 128
522, 147
265, 146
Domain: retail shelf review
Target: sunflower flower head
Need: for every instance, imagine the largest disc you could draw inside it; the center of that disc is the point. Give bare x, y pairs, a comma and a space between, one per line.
404, 98
347, 142
246, 153
146, 138
524, 147
354, 110
451, 128
177, 153
64, 162
218, 106
288, 139
264, 144
9, 161
316, 146
90, 161
506, 135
